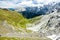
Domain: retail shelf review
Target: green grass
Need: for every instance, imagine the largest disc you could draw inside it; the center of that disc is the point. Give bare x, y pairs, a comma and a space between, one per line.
15, 38
32, 20
13, 18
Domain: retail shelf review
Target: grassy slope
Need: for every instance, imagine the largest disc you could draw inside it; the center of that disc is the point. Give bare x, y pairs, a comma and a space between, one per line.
13, 18
15, 38
35, 19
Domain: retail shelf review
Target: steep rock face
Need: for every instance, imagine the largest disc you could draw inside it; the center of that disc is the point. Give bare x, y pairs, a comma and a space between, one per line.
52, 25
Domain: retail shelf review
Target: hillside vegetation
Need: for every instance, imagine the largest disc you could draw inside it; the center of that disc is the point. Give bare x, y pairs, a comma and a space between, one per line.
15, 38
10, 20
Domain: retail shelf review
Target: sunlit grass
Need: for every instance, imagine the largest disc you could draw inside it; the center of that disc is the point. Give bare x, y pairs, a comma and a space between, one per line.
15, 38
32, 20
13, 18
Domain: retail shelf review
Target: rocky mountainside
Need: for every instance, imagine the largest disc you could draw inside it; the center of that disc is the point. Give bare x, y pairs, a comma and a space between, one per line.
48, 25
52, 26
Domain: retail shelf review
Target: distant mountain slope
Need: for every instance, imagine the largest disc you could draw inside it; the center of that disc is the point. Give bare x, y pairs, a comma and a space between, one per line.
11, 21
30, 12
